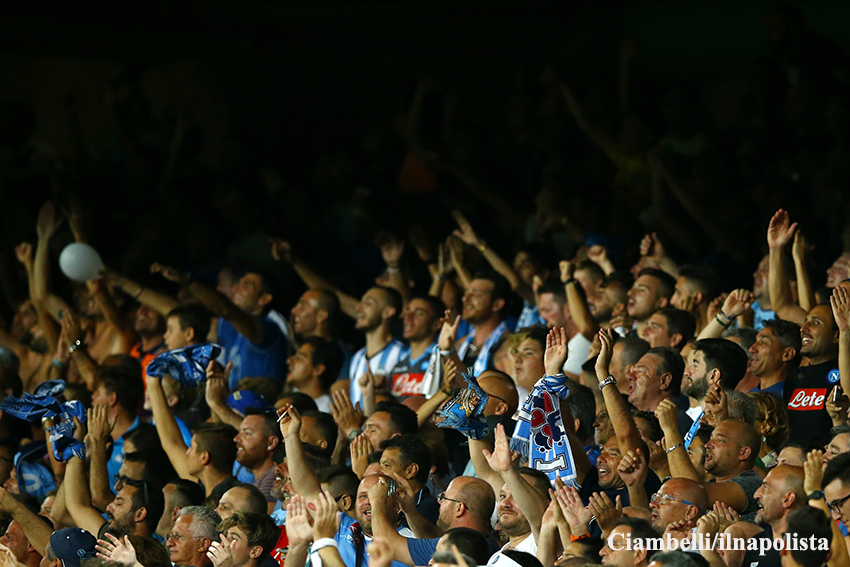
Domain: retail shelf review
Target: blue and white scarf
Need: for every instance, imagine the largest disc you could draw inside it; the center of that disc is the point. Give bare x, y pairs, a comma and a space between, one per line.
34, 408
465, 412
186, 365
484, 354
540, 435
692, 432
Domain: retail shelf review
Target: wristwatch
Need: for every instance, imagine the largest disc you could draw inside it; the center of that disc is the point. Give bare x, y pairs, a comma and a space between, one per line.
816, 495
607, 381
77, 344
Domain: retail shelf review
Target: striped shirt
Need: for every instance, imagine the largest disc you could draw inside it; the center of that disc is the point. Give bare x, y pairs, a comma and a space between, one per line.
529, 316
381, 364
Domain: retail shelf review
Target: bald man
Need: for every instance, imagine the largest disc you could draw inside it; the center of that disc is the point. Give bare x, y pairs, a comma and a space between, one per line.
730, 455
678, 499
780, 494
504, 398
468, 502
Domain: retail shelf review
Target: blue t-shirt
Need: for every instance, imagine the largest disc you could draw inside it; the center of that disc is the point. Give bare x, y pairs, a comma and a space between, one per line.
777, 390
761, 315
266, 359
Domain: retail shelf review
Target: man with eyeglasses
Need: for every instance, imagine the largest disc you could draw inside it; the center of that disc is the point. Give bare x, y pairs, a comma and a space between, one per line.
136, 509
678, 499
194, 530
836, 490
468, 502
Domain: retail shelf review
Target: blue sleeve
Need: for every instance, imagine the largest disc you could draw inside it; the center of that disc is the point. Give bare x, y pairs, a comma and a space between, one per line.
421, 550
224, 332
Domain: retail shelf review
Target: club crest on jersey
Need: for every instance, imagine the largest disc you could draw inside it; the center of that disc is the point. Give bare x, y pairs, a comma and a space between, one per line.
833, 376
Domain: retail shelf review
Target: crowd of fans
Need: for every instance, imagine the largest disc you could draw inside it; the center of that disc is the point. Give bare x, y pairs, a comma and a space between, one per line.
430, 400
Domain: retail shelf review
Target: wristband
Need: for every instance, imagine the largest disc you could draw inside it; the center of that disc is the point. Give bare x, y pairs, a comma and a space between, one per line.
323, 543
583, 536
58, 363
816, 495
607, 381
445, 352
354, 433
392, 269
673, 448
570, 280
482, 246
720, 319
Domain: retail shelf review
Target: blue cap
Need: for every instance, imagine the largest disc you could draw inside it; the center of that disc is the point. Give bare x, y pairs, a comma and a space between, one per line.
72, 545
243, 400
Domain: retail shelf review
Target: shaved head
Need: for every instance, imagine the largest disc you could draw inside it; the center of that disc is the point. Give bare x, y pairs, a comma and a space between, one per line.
689, 490
500, 385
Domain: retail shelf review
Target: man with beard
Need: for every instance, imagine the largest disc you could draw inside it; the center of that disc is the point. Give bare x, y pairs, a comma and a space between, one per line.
774, 355
136, 509
467, 503
483, 308
253, 343
377, 311
651, 291
421, 322
807, 387
150, 327
255, 444
610, 302
780, 494
194, 530
711, 361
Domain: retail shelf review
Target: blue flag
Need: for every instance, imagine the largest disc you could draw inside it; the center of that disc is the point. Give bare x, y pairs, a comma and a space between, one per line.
186, 365
34, 408
465, 412
540, 435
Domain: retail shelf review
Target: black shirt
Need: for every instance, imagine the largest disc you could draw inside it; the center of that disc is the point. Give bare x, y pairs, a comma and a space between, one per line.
753, 557
806, 390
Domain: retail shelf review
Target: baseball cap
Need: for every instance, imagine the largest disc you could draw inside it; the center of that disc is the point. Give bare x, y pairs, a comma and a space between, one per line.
243, 400
72, 545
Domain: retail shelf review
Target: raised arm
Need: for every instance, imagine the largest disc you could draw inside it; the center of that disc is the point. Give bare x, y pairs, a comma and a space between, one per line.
779, 233
532, 504
159, 302
86, 366
216, 303
628, 436
455, 251
167, 428
391, 251
104, 300
78, 499
599, 137
677, 456
216, 392
735, 305
383, 527
468, 235
799, 253
35, 530
282, 252
840, 301
304, 479
99, 429
577, 304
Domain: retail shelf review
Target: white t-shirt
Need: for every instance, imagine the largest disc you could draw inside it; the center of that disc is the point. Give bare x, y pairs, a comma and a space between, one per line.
578, 349
528, 545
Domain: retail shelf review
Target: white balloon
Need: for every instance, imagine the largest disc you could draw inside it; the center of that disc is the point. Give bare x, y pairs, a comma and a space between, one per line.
80, 262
